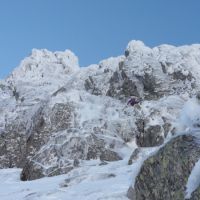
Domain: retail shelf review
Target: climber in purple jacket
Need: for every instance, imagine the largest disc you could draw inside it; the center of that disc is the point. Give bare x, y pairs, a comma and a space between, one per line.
133, 100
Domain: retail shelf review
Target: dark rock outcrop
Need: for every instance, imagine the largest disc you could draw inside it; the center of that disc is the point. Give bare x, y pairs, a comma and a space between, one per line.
134, 156
91, 86
121, 86
63, 152
13, 145
164, 176
108, 155
148, 135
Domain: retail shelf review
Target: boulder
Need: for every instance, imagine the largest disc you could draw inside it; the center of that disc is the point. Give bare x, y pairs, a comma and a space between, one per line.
164, 175
62, 153
108, 155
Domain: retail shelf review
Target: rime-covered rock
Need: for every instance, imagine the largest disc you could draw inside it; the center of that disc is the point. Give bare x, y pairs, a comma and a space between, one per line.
54, 115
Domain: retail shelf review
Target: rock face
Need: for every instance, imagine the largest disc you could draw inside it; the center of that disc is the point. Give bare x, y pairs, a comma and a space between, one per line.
164, 175
12, 148
55, 115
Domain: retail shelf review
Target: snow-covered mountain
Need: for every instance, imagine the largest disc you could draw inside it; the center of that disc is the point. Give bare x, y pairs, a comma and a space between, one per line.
73, 126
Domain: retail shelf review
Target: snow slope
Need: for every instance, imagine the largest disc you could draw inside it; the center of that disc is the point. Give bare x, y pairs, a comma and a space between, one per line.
93, 180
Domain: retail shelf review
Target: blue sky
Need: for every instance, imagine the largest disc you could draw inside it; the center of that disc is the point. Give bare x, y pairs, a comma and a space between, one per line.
92, 29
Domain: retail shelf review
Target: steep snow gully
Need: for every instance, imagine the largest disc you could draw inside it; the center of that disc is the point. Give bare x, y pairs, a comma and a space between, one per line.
67, 132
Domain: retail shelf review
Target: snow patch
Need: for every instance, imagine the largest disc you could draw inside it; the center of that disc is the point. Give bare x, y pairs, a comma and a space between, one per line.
193, 180
190, 115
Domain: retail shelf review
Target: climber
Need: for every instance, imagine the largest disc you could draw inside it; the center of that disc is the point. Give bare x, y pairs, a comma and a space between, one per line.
133, 100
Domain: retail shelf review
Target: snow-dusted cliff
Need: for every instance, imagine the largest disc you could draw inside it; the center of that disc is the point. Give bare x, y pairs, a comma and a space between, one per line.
57, 118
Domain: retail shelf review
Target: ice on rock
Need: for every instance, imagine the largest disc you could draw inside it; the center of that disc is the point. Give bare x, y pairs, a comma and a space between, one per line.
137, 46
193, 180
190, 115
43, 63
